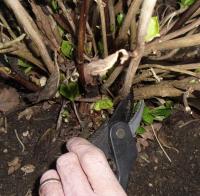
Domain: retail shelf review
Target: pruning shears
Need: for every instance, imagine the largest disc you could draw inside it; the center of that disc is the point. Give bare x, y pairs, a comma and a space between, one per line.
116, 137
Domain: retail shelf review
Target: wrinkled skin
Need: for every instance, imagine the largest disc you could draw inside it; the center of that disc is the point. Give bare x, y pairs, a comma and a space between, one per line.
83, 171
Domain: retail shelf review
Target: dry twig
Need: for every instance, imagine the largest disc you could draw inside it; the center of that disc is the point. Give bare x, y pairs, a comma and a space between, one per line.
31, 29
12, 42
132, 11
103, 27
193, 8
146, 12
187, 41
67, 15
160, 144
82, 31
21, 143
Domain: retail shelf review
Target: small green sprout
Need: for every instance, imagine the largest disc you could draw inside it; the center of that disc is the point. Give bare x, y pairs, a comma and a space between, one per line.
103, 104
67, 48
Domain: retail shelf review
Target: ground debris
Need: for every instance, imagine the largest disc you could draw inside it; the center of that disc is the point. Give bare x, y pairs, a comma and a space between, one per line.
27, 169
27, 113
14, 165
143, 139
181, 177
9, 99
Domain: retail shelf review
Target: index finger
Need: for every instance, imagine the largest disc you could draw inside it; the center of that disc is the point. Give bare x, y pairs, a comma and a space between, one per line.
96, 167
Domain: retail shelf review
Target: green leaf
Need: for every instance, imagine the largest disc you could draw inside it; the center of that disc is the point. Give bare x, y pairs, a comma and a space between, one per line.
186, 3
140, 130
159, 118
67, 48
103, 104
153, 29
54, 5
25, 66
158, 113
147, 117
161, 111
23, 63
120, 19
69, 91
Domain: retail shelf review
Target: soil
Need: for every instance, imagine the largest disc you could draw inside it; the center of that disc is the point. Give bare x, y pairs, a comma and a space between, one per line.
153, 174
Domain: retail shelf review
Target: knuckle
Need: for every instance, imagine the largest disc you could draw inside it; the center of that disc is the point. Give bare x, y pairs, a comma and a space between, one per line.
93, 154
66, 159
75, 144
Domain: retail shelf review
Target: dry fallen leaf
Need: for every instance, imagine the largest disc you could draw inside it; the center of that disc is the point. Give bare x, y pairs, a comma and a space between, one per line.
9, 99
27, 113
141, 144
14, 165
27, 169
147, 135
101, 66
29, 193
142, 141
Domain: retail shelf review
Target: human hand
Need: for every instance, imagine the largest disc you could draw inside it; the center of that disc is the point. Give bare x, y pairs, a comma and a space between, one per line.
83, 171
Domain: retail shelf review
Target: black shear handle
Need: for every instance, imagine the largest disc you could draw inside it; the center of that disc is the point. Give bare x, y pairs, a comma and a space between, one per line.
119, 145
124, 150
